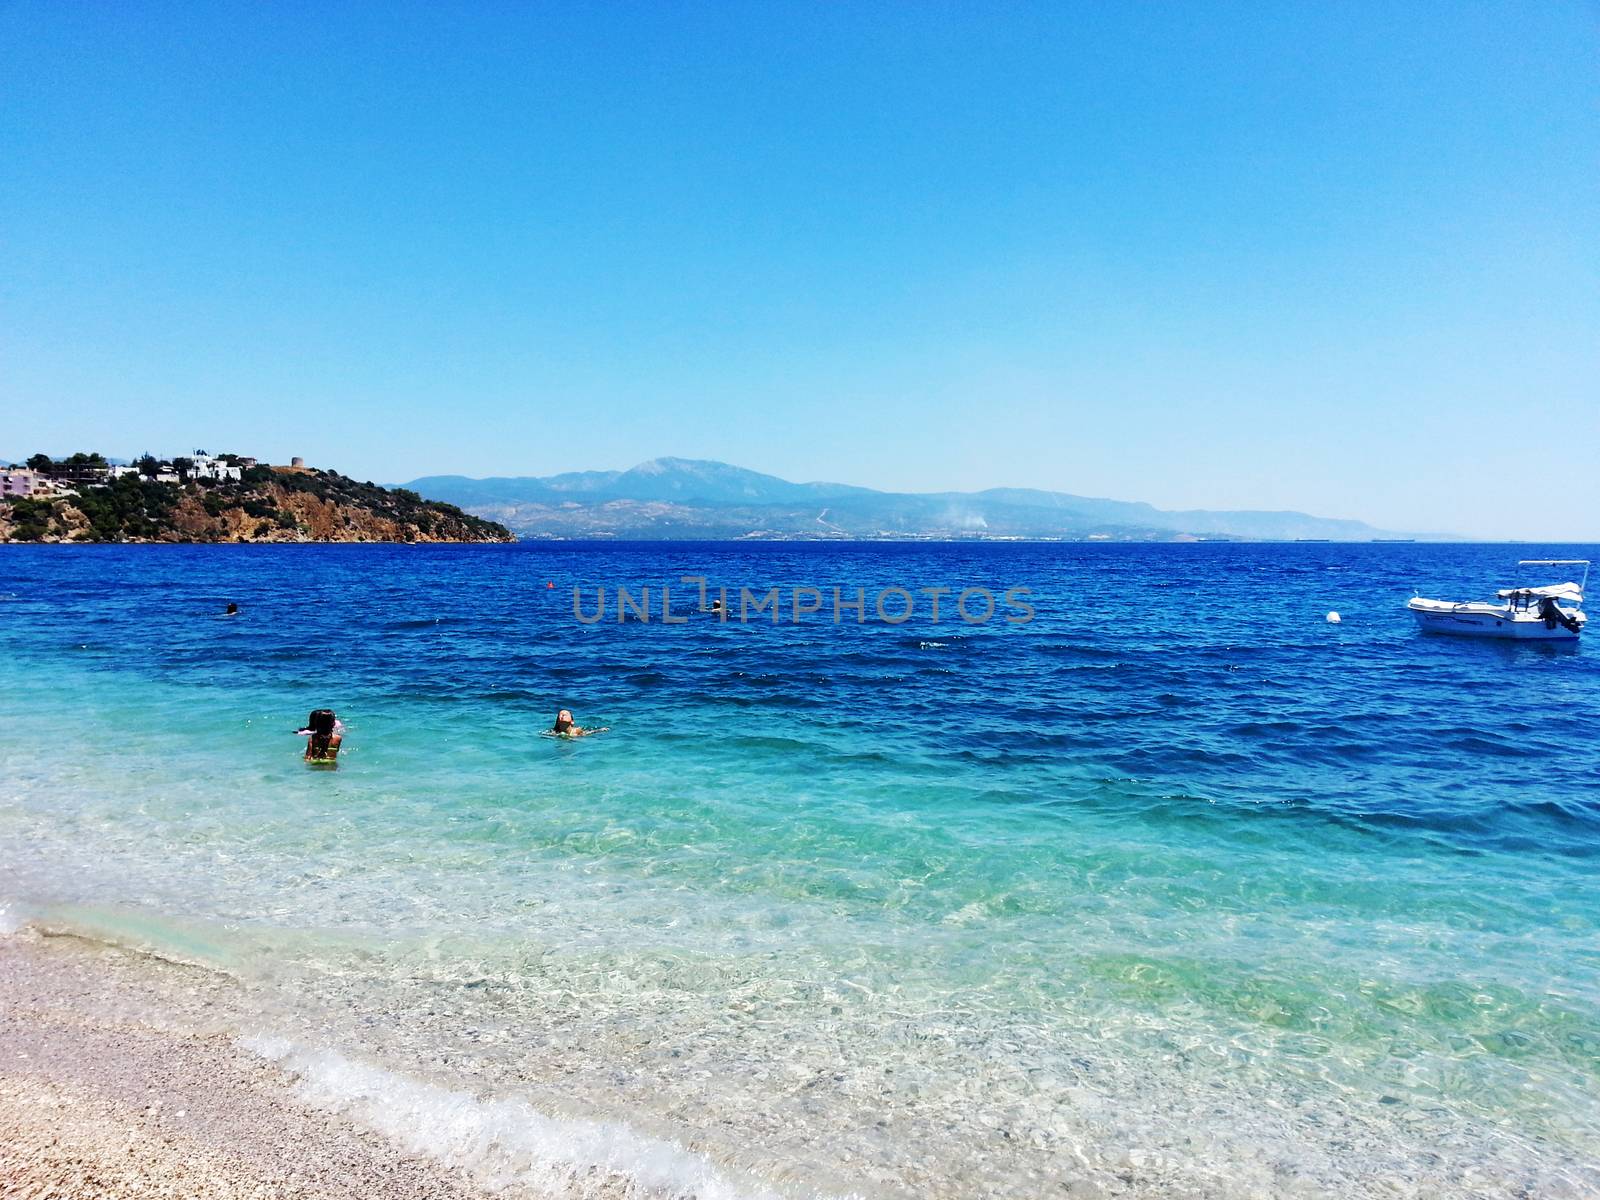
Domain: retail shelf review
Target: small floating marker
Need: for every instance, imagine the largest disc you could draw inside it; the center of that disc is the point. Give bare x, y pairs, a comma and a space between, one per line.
549, 584
1334, 618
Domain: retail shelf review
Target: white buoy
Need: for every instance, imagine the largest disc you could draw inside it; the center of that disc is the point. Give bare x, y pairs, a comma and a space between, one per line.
1334, 618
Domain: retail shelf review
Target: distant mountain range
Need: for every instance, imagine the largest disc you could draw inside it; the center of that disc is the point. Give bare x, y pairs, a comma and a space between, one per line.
690, 499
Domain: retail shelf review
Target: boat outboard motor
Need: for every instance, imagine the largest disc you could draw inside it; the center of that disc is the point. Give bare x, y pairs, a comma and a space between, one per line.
1554, 615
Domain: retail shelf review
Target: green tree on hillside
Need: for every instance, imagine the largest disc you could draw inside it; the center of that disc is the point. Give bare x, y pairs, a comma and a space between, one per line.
30, 519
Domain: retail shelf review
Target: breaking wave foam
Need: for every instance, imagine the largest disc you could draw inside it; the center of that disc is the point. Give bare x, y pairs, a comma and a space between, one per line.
505, 1144
12, 919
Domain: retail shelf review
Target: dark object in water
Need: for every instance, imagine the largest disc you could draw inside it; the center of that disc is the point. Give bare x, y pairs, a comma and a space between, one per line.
1554, 615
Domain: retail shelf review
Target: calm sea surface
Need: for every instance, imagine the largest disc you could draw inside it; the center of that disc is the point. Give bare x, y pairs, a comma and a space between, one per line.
1176, 889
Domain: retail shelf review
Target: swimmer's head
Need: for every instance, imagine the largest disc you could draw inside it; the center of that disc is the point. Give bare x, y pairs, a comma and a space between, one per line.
320, 721
563, 721
232, 608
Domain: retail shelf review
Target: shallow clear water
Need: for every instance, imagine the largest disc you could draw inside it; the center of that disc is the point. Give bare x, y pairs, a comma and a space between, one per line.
1175, 887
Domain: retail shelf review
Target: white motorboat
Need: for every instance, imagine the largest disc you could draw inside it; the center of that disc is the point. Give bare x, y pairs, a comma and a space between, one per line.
1521, 612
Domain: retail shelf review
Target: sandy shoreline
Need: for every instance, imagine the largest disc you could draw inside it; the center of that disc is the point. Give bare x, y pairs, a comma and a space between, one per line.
123, 1075
102, 1095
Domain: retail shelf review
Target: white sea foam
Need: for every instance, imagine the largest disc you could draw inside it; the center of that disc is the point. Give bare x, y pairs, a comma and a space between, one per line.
505, 1144
12, 918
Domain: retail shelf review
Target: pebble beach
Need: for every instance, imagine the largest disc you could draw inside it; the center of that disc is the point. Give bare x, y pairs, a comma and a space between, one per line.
103, 1098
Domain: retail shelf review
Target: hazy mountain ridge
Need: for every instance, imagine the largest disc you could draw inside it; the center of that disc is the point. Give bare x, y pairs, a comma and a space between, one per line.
689, 498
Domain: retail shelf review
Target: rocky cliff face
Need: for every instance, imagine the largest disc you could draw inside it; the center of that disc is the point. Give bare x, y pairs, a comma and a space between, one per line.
269, 505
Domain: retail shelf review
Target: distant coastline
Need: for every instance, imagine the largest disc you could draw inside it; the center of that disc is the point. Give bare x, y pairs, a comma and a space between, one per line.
695, 500
86, 498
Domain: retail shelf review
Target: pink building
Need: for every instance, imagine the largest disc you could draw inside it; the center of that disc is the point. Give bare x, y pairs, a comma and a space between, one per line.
15, 481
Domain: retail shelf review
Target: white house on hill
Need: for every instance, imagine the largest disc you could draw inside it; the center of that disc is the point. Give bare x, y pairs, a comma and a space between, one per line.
207, 467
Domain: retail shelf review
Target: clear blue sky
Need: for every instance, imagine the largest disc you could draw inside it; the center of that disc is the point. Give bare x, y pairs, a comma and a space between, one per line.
1342, 258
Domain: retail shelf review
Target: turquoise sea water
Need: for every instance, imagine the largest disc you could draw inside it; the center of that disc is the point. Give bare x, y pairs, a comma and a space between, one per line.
1176, 889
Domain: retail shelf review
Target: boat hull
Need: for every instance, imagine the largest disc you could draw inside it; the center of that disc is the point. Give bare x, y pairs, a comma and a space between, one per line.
1489, 625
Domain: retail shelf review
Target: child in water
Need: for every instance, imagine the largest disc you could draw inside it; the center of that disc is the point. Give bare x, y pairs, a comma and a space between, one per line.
564, 728
326, 732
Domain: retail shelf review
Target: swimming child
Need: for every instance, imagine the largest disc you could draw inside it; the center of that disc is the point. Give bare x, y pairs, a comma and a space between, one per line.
326, 732
564, 728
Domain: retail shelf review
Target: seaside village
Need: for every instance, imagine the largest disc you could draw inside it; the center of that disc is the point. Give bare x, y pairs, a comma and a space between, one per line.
42, 476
